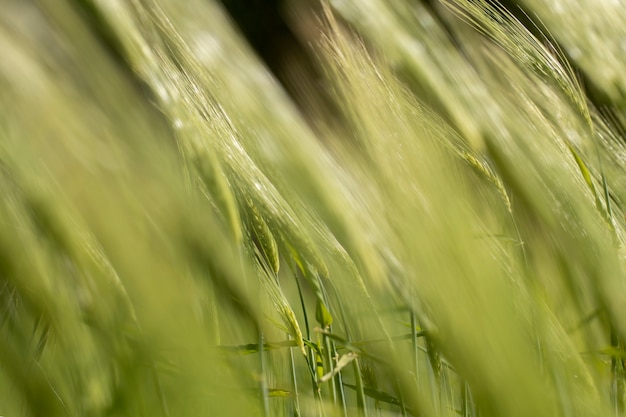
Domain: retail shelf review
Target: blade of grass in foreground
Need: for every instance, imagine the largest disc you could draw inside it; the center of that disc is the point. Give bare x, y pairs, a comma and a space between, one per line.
467, 193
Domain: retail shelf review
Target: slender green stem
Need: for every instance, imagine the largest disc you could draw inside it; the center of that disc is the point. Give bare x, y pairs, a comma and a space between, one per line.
360, 393
262, 377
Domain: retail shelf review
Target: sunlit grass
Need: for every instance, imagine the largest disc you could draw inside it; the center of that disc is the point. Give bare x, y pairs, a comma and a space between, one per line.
178, 237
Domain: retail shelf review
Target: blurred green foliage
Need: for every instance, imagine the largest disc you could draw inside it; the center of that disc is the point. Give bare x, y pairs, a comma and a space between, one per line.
423, 217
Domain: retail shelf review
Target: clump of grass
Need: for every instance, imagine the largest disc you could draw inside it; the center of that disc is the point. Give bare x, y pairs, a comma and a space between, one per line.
178, 237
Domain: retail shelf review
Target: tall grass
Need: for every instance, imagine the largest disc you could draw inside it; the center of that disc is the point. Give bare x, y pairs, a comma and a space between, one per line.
446, 237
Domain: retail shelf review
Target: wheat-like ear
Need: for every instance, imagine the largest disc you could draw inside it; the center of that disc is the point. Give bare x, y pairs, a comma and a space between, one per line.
180, 236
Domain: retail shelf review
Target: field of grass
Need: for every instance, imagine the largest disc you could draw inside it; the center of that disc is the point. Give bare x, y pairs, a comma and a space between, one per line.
427, 219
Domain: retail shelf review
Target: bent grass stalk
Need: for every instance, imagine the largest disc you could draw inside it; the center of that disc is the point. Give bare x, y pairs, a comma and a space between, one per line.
156, 182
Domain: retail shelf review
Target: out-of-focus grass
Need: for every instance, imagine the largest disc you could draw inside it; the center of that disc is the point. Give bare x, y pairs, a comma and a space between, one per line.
176, 239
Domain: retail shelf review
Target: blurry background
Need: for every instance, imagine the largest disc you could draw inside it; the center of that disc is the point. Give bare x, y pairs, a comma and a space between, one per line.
354, 207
